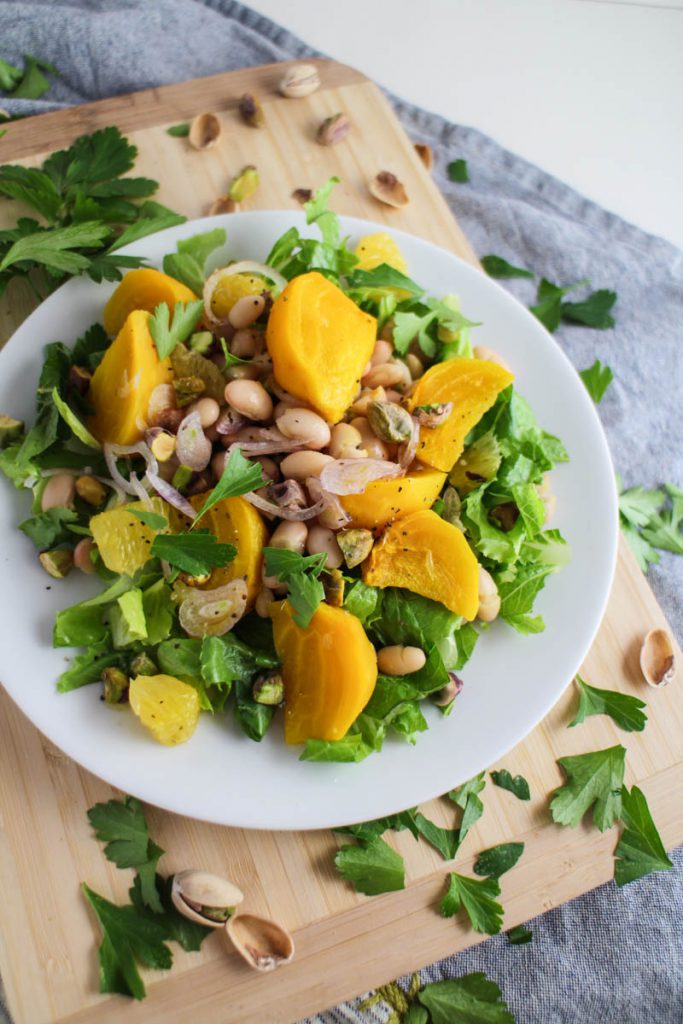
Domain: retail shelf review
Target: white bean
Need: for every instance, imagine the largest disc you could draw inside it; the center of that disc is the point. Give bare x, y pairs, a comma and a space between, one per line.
490, 355
59, 492
218, 464
290, 535
246, 310
414, 364
375, 448
489, 599
381, 353
345, 442
209, 410
249, 398
387, 375
82, 559
306, 426
245, 343
300, 465
263, 599
333, 518
284, 404
367, 395
322, 541
269, 466
400, 661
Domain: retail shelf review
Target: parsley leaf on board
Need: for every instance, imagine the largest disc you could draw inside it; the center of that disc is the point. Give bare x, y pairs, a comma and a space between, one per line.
179, 131
593, 311
127, 936
640, 849
517, 785
445, 840
495, 861
477, 898
167, 332
196, 553
597, 379
496, 266
121, 824
239, 477
519, 935
188, 934
373, 868
457, 171
365, 831
470, 999
593, 780
622, 708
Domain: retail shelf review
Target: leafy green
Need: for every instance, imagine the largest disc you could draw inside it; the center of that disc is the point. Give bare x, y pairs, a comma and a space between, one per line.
31, 84
300, 573
597, 379
188, 263
179, 131
196, 553
445, 840
622, 708
495, 861
127, 619
121, 825
253, 718
79, 626
351, 749
648, 521
366, 831
89, 349
168, 333
47, 529
477, 898
373, 868
457, 171
72, 421
496, 266
517, 785
470, 999
239, 477
363, 601
152, 519
640, 849
423, 324
178, 928
519, 935
401, 617
360, 282
593, 311
593, 780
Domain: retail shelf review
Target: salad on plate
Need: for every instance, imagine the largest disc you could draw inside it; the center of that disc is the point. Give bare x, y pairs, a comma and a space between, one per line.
305, 492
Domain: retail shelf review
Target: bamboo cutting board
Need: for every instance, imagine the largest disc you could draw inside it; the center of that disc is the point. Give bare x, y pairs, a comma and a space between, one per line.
346, 943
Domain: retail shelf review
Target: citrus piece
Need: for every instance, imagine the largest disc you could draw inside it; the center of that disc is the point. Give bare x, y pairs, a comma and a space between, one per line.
122, 539
166, 706
232, 287
373, 250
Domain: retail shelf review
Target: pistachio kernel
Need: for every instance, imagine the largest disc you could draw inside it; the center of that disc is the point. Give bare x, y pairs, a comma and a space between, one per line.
390, 422
333, 585
187, 389
244, 185
251, 111
115, 686
10, 430
269, 689
356, 545
433, 415
57, 563
90, 490
142, 665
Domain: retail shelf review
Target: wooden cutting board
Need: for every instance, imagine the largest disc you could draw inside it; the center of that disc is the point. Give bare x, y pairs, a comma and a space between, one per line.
346, 943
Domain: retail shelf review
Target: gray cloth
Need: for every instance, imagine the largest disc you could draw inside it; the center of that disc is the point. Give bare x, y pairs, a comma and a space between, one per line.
614, 955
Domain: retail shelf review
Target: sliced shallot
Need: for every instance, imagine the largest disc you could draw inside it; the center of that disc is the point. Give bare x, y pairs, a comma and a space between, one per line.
113, 451
169, 493
299, 515
193, 447
406, 452
352, 476
213, 612
241, 267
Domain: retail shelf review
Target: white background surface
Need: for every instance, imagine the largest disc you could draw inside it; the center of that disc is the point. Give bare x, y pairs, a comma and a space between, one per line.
590, 90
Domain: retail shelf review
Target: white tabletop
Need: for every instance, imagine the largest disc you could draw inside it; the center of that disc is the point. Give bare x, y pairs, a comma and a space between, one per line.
590, 90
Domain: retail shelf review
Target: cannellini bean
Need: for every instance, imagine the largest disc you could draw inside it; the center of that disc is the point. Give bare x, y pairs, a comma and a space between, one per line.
323, 541
400, 661
490, 355
284, 404
367, 395
209, 410
381, 353
246, 310
300, 465
82, 559
218, 464
345, 442
263, 599
290, 535
245, 343
269, 466
414, 364
393, 396
249, 398
375, 448
304, 425
387, 332
273, 583
239, 372
59, 492
333, 518
394, 374
489, 599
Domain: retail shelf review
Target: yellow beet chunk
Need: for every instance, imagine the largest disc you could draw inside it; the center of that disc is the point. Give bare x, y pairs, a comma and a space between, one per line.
167, 707
319, 341
235, 521
329, 670
472, 385
382, 501
428, 556
122, 539
123, 382
145, 288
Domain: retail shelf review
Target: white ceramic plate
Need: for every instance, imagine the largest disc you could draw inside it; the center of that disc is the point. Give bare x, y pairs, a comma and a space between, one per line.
220, 775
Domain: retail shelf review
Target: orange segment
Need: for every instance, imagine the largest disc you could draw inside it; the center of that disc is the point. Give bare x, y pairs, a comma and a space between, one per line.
122, 539
166, 706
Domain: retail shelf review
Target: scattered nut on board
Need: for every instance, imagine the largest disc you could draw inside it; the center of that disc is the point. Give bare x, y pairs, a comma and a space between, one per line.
386, 187
251, 111
425, 154
657, 662
205, 131
333, 130
263, 944
299, 80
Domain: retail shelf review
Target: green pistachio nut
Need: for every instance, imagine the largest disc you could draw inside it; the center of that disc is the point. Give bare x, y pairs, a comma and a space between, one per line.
390, 422
115, 685
10, 430
269, 689
57, 563
244, 185
356, 545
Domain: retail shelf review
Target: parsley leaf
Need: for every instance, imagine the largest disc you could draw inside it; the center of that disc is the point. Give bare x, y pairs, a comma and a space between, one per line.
477, 898
239, 477
665, 529
179, 131
151, 519
368, 830
445, 840
196, 553
495, 861
593, 780
465, 797
54, 248
517, 785
622, 708
383, 276
300, 573
647, 525
496, 266
187, 264
593, 311
33, 83
127, 936
548, 308
371, 869
519, 936
597, 379
188, 934
457, 171
121, 824
283, 563
305, 595
168, 333
640, 849
471, 999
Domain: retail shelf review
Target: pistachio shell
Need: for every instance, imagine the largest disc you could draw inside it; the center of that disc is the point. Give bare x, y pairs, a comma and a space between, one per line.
657, 661
300, 80
386, 187
425, 154
224, 204
205, 131
263, 944
195, 891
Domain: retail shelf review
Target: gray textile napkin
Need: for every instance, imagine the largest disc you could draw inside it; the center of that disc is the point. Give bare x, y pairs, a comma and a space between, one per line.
613, 955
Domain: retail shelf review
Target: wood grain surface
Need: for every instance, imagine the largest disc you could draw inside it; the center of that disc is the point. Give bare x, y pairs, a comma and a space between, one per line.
346, 943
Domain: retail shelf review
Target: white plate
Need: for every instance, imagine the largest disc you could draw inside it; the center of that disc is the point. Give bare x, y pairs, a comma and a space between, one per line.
220, 775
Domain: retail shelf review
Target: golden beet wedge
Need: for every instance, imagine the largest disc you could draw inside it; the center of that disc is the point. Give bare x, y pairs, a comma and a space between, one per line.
320, 342
144, 288
428, 556
235, 521
123, 382
382, 501
329, 670
472, 385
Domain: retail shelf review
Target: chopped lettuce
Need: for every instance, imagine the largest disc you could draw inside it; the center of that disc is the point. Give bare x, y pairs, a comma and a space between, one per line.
188, 263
